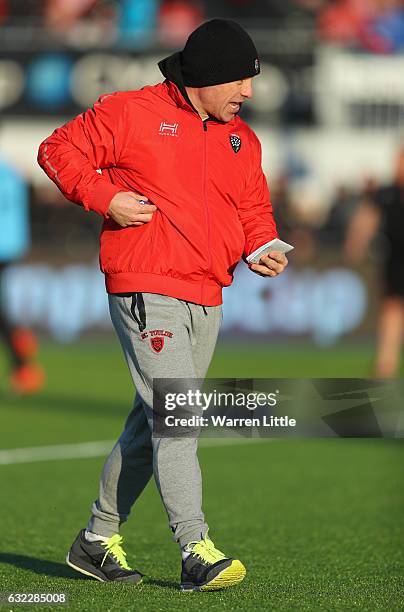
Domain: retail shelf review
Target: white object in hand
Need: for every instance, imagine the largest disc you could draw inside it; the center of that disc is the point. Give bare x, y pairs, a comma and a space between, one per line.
273, 245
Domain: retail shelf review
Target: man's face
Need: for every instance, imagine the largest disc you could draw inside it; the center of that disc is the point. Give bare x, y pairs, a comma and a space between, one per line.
224, 101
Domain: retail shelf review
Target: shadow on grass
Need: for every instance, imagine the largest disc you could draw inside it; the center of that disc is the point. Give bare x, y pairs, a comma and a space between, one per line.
60, 570
39, 566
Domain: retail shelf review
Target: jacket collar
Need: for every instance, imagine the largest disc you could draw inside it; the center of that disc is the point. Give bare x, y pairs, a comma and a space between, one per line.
171, 70
178, 97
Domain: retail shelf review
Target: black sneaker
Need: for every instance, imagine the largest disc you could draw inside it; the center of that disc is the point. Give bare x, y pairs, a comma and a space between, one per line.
104, 561
208, 569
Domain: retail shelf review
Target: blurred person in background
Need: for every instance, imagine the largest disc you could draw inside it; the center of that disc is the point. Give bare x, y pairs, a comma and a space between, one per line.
387, 26
63, 15
383, 209
26, 375
177, 18
137, 22
344, 22
82, 22
177, 176
332, 234
376, 26
279, 11
22, 12
4, 10
289, 222
282, 206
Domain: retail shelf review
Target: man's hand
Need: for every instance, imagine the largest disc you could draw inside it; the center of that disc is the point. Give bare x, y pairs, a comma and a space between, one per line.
270, 265
126, 210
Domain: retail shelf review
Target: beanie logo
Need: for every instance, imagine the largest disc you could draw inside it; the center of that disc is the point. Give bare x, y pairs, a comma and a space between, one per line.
257, 65
235, 142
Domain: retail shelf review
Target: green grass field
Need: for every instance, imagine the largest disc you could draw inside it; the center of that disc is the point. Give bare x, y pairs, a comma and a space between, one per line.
318, 523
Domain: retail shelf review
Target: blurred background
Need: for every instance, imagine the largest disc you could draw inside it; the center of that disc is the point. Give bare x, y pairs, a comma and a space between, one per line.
317, 521
328, 108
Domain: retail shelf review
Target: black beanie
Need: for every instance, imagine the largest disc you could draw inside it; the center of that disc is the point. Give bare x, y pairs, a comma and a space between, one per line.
219, 51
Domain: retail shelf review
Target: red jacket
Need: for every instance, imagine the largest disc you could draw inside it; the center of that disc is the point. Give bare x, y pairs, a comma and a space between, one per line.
213, 203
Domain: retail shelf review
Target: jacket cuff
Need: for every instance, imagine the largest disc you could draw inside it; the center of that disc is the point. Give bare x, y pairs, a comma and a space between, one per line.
101, 196
257, 243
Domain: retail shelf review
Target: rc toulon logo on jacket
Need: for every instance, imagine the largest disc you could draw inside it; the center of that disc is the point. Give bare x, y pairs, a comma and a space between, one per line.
235, 142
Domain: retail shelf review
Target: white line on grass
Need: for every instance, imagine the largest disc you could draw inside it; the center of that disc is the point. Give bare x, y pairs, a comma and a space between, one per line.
84, 450
59, 451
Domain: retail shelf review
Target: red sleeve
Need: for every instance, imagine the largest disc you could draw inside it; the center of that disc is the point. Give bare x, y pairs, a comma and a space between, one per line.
74, 152
255, 209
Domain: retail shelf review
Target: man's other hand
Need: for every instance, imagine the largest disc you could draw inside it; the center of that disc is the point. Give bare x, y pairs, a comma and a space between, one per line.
126, 210
270, 265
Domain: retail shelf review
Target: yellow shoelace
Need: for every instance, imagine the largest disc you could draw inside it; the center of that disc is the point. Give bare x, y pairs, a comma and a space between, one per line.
205, 550
114, 547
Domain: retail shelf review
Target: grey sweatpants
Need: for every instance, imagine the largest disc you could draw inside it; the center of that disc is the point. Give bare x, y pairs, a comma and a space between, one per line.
189, 332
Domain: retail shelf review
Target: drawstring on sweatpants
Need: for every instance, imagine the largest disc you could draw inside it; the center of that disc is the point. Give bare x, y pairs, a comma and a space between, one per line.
204, 310
137, 300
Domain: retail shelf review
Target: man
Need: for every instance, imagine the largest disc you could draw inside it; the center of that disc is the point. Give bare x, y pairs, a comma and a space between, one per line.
384, 209
181, 147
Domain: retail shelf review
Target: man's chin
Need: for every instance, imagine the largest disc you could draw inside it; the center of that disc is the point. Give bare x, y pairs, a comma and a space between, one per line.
225, 117
228, 117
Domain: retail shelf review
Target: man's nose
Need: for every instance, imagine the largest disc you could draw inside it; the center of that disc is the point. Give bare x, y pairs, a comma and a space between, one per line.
246, 88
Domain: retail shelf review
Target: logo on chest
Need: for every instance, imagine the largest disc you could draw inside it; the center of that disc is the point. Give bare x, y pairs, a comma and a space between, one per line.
168, 129
235, 142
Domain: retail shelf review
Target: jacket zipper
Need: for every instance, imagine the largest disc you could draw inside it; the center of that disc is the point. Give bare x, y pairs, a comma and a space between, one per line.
205, 199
